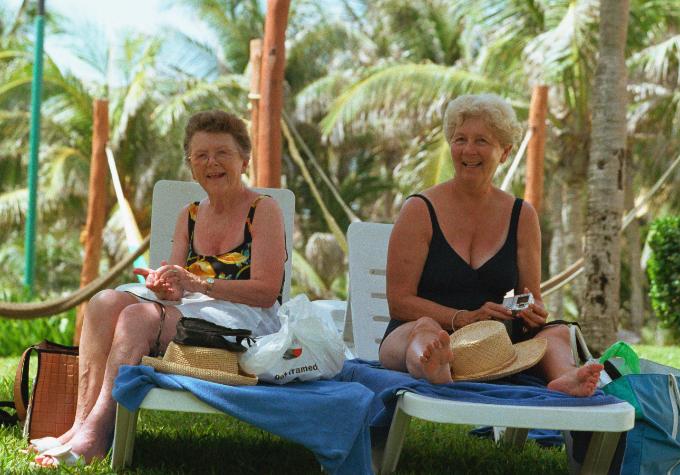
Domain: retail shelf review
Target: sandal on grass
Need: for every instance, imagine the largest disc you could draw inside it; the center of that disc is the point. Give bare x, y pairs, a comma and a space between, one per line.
57, 456
39, 446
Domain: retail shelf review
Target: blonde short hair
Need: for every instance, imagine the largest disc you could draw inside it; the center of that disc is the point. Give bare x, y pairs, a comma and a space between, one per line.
491, 108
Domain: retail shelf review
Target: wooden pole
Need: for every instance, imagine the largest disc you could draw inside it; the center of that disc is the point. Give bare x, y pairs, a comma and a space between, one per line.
91, 237
271, 89
538, 113
254, 96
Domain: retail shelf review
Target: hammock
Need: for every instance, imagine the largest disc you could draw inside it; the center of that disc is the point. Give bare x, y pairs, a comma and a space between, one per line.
25, 311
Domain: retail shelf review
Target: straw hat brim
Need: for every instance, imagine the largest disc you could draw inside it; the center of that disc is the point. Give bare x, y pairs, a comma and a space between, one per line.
528, 353
216, 376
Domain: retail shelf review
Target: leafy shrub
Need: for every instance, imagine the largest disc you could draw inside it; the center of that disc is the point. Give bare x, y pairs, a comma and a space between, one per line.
664, 272
17, 335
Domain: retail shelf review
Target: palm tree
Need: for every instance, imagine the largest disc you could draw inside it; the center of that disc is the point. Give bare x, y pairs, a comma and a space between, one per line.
605, 178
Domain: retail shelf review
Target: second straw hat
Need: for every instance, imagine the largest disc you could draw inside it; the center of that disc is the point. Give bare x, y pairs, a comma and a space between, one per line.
210, 364
483, 351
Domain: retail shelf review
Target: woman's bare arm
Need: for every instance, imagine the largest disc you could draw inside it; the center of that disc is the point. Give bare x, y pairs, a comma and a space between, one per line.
529, 264
406, 255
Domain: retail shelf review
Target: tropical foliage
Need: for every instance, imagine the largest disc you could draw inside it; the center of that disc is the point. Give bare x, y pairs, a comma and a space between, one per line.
365, 85
664, 271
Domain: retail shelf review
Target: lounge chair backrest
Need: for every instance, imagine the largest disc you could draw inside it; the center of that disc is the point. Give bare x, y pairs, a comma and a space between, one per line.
170, 196
368, 299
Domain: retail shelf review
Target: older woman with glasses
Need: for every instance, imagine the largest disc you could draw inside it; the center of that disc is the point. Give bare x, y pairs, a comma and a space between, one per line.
226, 266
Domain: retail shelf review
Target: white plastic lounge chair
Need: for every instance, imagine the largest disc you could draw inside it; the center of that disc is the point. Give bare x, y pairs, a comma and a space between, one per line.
370, 314
168, 198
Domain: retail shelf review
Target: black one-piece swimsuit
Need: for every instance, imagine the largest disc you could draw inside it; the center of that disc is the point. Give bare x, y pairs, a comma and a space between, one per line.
449, 280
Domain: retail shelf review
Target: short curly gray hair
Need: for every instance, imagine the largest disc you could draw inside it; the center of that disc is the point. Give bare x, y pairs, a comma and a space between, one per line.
218, 122
491, 108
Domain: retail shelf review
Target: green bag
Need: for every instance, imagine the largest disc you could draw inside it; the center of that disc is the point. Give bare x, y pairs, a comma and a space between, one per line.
629, 360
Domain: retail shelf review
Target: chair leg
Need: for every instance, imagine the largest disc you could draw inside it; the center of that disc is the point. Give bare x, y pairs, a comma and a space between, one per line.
395, 440
515, 436
600, 452
123, 437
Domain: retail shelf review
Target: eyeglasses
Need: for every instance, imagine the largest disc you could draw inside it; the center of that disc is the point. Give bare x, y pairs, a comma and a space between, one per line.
218, 156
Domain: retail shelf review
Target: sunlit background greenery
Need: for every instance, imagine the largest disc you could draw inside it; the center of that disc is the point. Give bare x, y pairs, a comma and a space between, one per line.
365, 85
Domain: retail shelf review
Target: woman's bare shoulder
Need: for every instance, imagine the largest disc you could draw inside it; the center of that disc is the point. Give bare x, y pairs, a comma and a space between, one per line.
528, 217
268, 211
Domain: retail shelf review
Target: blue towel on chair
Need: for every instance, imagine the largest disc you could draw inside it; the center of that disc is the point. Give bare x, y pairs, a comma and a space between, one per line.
518, 390
330, 418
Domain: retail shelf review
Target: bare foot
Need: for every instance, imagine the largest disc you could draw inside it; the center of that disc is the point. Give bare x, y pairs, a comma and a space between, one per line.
578, 381
85, 444
46, 443
436, 358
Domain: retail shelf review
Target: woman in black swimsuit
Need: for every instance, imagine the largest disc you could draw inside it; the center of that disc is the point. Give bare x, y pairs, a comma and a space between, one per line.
119, 328
458, 247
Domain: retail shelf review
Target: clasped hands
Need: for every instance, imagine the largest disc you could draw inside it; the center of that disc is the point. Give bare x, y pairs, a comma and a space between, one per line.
168, 282
534, 315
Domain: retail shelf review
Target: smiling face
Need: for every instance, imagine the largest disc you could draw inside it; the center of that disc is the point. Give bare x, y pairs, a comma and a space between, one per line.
476, 152
216, 160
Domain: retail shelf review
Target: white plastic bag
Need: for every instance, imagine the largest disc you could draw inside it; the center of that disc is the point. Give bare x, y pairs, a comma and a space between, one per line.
307, 347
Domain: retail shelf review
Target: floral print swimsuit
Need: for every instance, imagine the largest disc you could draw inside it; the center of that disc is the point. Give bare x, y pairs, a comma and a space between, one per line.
231, 265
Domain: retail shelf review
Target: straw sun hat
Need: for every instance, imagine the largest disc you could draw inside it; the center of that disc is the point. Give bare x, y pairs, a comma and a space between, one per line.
211, 364
483, 351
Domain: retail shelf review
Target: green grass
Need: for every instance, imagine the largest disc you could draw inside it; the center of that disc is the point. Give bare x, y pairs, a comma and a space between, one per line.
667, 355
177, 443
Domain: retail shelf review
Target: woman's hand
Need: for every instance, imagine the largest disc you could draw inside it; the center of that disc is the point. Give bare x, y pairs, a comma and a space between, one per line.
535, 315
163, 288
179, 277
488, 311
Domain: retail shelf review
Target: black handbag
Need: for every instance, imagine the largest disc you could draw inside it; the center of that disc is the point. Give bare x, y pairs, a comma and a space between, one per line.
198, 332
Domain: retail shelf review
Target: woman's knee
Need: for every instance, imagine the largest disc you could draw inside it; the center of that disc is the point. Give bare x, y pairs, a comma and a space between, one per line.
558, 332
137, 322
106, 297
425, 324
107, 304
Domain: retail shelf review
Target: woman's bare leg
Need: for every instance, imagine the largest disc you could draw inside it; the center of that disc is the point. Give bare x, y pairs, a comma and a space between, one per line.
559, 368
135, 336
421, 348
99, 324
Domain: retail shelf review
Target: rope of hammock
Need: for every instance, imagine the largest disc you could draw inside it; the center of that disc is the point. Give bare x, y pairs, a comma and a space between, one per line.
25, 311
515, 161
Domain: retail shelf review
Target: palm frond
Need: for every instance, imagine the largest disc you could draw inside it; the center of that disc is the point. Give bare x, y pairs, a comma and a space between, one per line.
228, 92
313, 101
426, 165
659, 63
13, 207
570, 44
140, 60
403, 92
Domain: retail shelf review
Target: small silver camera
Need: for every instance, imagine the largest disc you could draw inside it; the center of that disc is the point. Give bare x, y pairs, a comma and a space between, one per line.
519, 302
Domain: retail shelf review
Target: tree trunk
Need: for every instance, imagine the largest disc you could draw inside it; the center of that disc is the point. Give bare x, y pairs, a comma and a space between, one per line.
271, 94
538, 112
637, 276
254, 96
91, 236
555, 301
572, 234
605, 178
